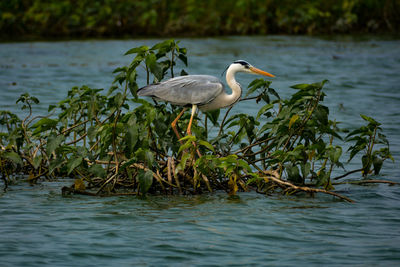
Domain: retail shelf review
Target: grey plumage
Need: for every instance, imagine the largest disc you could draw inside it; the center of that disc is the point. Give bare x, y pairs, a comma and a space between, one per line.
184, 90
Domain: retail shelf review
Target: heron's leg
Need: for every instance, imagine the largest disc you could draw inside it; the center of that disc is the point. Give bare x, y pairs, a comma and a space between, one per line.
189, 128
173, 124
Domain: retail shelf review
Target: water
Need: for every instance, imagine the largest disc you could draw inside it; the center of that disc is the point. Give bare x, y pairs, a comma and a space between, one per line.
40, 227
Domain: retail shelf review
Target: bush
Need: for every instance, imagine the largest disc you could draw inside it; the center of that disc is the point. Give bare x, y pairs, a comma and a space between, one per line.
119, 144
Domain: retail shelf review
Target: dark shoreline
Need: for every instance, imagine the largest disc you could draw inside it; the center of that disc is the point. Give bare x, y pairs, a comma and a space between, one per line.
67, 19
351, 36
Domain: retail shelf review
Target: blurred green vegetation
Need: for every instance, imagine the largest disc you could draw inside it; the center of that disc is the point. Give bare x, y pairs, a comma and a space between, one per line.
119, 18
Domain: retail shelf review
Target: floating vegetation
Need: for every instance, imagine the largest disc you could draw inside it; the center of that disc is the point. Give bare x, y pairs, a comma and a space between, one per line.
118, 144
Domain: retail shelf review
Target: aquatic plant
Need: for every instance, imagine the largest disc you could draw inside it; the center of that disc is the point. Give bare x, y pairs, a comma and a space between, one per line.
116, 143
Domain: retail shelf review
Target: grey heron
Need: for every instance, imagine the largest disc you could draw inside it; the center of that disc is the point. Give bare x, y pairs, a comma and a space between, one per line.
200, 91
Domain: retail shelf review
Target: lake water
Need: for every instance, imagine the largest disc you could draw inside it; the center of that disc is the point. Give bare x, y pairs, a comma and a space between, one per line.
39, 227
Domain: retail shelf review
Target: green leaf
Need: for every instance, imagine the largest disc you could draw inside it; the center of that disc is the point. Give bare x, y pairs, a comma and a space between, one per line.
370, 120
51, 107
14, 157
145, 180
182, 164
145, 155
213, 116
91, 133
206, 144
377, 162
244, 165
256, 84
305, 169
166, 45
35, 100
54, 164
97, 170
294, 174
151, 114
133, 87
355, 151
37, 161
185, 146
273, 92
149, 156
132, 76
263, 110
140, 154
183, 58
154, 66
366, 164
53, 142
136, 61
301, 86
189, 138
362, 130
120, 69
44, 125
182, 50
139, 49
126, 164
323, 178
337, 153
321, 114
255, 177
384, 152
22, 98
131, 139
382, 139
73, 163
294, 118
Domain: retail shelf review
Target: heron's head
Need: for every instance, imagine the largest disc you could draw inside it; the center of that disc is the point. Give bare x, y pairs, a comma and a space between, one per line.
244, 66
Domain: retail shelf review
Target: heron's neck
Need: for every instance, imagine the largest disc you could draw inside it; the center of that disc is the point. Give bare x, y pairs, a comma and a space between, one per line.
224, 100
234, 85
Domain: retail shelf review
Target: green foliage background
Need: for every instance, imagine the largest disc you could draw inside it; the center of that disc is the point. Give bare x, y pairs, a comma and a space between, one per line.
119, 18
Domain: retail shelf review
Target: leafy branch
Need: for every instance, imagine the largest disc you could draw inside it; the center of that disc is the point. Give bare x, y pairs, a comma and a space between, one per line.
116, 143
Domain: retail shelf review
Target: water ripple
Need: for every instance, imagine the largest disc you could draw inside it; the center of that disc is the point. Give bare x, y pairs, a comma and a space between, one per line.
39, 227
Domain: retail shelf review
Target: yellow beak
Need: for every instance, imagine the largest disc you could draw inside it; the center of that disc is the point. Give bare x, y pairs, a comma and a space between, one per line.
258, 71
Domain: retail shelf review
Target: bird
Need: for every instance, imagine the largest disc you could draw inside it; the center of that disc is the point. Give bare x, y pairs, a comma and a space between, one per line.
202, 92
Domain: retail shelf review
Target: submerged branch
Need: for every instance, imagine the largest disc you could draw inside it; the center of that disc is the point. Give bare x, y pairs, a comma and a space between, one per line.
372, 181
346, 174
70, 190
272, 175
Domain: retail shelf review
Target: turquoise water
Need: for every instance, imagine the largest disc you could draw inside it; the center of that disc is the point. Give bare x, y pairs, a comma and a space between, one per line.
39, 227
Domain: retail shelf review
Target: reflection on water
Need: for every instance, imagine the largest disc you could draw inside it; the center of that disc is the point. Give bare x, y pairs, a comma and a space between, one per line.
39, 227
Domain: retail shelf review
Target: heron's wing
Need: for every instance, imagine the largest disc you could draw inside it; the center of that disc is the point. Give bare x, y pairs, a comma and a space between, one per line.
183, 90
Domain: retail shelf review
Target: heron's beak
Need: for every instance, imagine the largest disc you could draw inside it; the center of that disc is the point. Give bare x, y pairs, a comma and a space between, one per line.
258, 71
